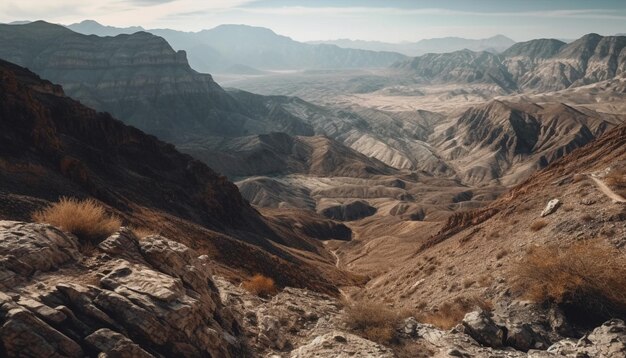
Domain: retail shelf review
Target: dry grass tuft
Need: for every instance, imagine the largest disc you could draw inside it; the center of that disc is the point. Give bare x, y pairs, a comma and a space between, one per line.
373, 321
451, 313
587, 279
538, 225
86, 219
260, 285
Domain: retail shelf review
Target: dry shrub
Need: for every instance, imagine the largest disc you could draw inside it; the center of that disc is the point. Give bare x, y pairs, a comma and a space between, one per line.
586, 279
451, 313
373, 321
260, 285
86, 219
484, 280
538, 225
578, 178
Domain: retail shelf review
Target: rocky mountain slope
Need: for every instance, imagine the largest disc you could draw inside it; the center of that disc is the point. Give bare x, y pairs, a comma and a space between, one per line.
535, 66
281, 154
151, 297
508, 141
463, 66
53, 146
212, 50
484, 245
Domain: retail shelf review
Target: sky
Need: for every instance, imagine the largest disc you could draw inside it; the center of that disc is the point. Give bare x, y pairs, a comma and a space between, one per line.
379, 20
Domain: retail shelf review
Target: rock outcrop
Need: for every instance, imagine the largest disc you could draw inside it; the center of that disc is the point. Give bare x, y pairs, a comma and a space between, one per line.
341, 345
480, 326
137, 298
551, 207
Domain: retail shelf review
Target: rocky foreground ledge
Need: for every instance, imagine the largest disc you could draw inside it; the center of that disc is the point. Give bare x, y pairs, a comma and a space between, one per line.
151, 296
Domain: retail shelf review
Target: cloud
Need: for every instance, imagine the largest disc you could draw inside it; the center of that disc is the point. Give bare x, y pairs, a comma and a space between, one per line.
112, 12
355, 10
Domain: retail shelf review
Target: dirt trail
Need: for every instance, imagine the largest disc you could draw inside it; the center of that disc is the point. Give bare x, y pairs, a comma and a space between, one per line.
607, 191
346, 296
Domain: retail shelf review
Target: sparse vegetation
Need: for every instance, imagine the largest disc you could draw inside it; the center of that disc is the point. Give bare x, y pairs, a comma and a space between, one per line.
587, 279
451, 313
484, 280
538, 225
373, 321
260, 285
87, 219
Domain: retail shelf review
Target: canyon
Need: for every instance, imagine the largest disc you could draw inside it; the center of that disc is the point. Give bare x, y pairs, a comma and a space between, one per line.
348, 177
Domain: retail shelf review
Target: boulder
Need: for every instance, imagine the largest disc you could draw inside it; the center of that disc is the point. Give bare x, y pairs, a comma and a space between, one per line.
341, 345
551, 207
480, 326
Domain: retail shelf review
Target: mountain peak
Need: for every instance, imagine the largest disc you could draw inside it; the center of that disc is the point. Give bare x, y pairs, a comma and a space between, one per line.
92, 27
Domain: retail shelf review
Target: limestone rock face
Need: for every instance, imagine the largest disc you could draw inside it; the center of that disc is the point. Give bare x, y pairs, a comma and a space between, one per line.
137, 299
26, 248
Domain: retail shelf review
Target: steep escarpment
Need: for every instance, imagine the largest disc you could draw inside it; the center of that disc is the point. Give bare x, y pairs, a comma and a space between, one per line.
138, 78
53, 146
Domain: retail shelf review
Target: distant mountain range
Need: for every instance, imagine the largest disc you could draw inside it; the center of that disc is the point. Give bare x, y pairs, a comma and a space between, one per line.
493, 44
227, 47
533, 66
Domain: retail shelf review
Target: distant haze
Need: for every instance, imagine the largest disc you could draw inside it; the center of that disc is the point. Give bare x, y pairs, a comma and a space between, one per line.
371, 20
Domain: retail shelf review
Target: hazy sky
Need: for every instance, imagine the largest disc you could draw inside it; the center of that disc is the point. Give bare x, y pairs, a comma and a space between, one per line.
391, 21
